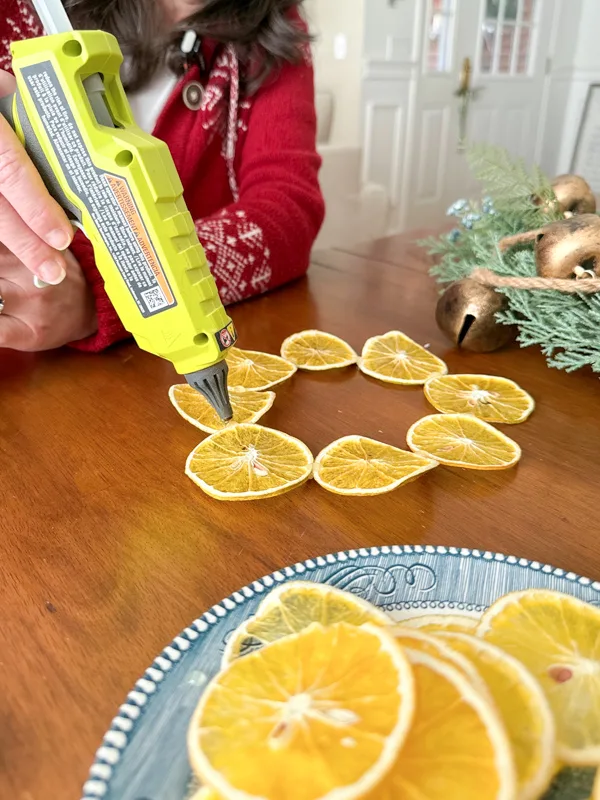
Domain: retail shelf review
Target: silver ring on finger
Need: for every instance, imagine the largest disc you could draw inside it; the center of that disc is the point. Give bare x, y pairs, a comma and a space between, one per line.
1, 304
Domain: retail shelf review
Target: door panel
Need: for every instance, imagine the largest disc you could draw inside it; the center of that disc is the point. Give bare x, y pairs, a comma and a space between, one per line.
434, 124
484, 121
384, 137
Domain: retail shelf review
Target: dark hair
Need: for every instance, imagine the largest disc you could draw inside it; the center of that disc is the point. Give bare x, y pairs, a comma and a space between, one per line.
265, 34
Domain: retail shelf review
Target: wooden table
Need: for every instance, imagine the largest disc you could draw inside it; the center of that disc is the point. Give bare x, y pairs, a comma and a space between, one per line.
107, 550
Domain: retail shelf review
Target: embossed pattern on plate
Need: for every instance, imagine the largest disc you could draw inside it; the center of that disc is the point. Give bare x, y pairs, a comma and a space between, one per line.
143, 755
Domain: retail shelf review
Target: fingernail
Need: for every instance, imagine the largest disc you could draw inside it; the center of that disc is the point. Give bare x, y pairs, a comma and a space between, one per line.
52, 272
59, 239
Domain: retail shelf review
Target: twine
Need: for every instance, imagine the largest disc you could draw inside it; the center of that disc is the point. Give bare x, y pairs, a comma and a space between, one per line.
582, 285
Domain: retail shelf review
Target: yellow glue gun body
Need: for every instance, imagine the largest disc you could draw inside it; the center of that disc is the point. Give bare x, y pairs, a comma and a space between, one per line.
121, 186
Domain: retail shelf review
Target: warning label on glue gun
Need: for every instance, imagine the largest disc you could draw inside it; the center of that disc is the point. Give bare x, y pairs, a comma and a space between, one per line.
107, 197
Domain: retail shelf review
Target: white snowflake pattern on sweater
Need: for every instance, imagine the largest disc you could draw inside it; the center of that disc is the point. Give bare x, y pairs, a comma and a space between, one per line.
26, 26
237, 254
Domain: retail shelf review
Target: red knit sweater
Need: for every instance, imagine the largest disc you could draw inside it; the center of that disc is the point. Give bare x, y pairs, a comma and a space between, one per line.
248, 166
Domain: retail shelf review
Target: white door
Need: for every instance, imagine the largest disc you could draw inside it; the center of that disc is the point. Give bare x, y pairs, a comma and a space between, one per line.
507, 43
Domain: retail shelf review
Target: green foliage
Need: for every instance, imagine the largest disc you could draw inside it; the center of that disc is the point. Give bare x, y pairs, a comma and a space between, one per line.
565, 326
513, 187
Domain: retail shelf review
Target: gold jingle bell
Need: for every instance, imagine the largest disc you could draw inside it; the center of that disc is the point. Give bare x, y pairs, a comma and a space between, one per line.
563, 248
574, 195
466, 314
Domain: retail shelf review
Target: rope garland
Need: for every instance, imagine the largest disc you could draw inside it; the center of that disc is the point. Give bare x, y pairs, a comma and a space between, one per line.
583, 285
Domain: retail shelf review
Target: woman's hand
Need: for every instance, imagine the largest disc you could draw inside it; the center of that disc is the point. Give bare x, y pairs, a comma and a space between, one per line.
32, 224
41, 319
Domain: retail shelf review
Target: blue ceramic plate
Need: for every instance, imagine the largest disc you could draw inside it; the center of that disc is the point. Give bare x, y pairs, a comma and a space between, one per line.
143, 756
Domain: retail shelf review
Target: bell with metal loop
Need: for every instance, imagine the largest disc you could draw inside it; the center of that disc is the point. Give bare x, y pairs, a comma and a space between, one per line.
568, 248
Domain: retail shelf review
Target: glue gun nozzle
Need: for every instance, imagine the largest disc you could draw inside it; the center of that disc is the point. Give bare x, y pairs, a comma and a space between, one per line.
212, 384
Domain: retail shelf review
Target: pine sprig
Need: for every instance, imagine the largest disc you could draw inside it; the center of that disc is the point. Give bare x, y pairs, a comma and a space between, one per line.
526, 193
504, 177
566, 327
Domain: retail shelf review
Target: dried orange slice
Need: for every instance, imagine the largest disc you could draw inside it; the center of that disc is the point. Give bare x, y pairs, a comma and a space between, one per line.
432, 623
461, 440
316, 350
303, 718
248, 406
292, 607
249, 462
485, 396
394, 358
205, 793
523, 707
457, 748
249, 369
557, 637
433, 646
355, 465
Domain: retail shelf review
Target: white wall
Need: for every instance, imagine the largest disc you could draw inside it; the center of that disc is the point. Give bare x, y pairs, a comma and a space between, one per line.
575, 64
587, 51
328, 19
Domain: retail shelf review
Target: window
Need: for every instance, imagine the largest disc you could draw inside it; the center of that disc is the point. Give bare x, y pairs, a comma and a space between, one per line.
440, 36
506, 36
